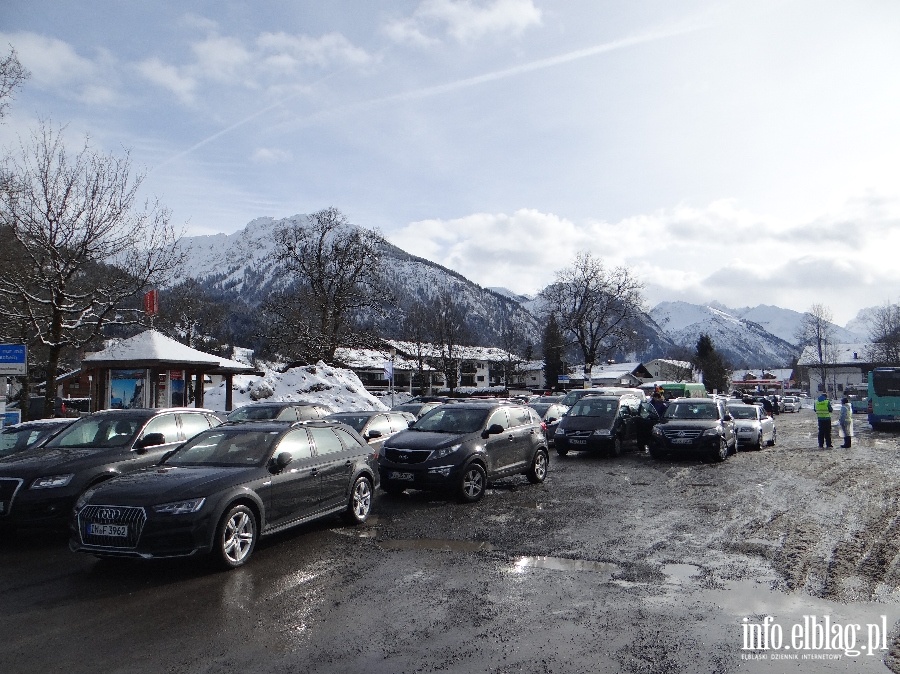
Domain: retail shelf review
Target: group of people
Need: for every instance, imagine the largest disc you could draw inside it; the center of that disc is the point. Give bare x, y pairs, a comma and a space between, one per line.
824, 410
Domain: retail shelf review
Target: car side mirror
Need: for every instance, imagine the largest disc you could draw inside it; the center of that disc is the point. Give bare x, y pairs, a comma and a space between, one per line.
371, 435
281, 461
150, 440
493, 429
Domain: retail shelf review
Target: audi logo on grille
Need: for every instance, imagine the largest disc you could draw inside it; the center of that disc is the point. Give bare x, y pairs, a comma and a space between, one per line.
108, 513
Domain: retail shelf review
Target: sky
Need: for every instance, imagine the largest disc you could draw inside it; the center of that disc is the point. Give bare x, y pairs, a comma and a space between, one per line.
739, 151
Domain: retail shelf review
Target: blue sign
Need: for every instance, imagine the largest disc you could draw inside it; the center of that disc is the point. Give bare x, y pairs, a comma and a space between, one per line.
11, 417
562, 379
13, 360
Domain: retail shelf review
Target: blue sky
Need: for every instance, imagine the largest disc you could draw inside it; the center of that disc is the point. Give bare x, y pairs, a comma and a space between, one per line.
740, 151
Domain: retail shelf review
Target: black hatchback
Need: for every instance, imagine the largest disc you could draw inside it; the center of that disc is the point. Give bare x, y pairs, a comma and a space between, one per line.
605, 423
459, 446
222, 490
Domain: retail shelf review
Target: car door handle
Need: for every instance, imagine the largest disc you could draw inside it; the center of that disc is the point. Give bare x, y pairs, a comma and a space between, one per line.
348, 463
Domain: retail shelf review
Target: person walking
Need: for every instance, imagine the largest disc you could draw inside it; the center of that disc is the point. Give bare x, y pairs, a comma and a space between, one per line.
846, 421
823, 413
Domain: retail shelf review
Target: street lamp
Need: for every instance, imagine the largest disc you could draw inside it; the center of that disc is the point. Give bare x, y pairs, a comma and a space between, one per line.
393, 355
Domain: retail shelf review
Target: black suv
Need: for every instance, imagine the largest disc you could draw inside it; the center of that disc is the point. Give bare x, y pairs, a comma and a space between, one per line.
459, 446
41, 486
606, 423
695, 426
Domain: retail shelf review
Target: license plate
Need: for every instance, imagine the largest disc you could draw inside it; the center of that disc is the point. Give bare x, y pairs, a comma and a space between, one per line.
578, 441
108, 529
682, 441
409, 477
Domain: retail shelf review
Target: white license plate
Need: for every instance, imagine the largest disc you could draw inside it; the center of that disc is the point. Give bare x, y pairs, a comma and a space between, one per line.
578, 442
409, 477
682, 441
108, 529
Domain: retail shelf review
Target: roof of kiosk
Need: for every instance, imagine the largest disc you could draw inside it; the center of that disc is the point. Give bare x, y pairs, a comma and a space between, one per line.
153, 349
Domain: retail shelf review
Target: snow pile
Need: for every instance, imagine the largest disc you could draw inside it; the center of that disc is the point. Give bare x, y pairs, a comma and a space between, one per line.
339, 389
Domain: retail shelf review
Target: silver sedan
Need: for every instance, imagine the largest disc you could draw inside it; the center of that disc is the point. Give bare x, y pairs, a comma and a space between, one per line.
752, 426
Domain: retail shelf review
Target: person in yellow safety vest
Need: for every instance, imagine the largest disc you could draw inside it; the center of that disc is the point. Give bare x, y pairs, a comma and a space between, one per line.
823, 413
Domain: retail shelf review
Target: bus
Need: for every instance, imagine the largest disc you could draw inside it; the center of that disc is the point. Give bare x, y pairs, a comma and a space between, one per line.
682, 389
884, 397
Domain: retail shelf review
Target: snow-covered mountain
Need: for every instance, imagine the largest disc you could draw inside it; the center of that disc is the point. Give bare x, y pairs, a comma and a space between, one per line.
744, 343
785, 323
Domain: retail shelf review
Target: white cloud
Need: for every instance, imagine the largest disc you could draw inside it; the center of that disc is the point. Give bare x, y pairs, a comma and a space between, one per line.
282, 50
720, 252
168, 77
56, 66
463, 20
268, 155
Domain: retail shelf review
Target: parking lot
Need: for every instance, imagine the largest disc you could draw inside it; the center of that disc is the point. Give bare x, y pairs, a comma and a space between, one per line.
612, 565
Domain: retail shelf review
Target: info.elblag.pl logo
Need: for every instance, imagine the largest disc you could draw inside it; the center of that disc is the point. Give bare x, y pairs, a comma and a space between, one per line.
813, 638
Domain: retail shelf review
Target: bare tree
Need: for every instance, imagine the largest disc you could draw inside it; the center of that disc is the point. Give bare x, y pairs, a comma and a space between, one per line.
449, 333
885, 335
86, 248
335, 269
415, 329
12, 76
190, 315
595, 307
816, 330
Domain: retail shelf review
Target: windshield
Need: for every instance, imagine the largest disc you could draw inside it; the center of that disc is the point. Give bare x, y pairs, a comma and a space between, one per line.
255, 413
225, 447
449, 419
104, 430
604, 411
14, 440
691, 410
744, 412
354, 421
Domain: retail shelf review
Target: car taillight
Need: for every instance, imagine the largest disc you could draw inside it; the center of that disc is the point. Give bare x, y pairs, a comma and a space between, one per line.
544, 426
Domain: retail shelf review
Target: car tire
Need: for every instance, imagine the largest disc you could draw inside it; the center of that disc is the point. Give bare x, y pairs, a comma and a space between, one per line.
236, 537
759, 442
722, 452
616, 449
561, 451
537, 472
771, 442
472, 483
360, 503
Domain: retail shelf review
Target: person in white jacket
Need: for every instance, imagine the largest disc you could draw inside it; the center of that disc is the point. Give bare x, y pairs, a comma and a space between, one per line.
846, 422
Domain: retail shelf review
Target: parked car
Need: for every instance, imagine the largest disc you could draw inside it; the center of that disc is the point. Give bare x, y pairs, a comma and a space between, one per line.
790, 404
550, 413
606, 423
226, 487
694, 426
577, 394
752, 426
374, 427
461, 446
41, 486
279, 411
418, 408
30, 434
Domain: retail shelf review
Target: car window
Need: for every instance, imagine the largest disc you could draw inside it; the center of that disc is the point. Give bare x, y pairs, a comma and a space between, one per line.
308, 412
519, 416
350, 442
326, 441
380, 423
452, 419
166, 424
191, 424
253, 412
225, 447
690, 410
297, 443
498, 417
398, 422
288, 414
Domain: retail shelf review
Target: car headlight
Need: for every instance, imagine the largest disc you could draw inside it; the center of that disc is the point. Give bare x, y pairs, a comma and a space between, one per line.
446, 451
180, 507
51, 481
657, 431
559, 431
712, 431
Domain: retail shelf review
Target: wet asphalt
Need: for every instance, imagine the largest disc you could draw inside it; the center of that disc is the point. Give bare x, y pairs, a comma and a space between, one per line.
612, 565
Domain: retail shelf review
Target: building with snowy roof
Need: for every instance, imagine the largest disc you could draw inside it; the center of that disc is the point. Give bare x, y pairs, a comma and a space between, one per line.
846, 368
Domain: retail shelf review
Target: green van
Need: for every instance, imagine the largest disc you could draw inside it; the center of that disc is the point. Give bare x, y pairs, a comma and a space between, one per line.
683, 389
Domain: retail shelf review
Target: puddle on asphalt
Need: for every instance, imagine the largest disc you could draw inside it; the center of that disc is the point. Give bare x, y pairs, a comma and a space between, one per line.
435, 544
680, 574
564, 564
